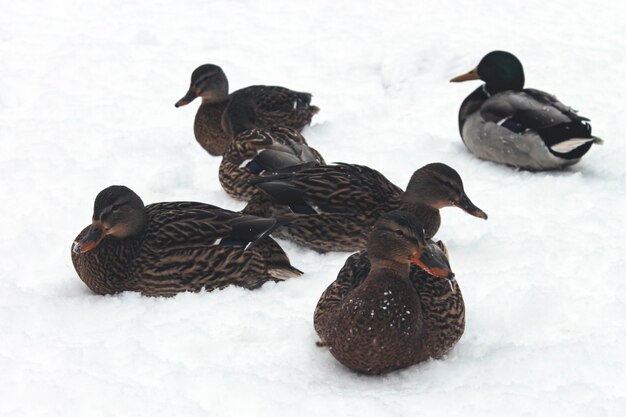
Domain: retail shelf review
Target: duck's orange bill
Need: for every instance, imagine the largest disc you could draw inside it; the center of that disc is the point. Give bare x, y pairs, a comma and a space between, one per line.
92, 238
472, 75
432, 260
189, 97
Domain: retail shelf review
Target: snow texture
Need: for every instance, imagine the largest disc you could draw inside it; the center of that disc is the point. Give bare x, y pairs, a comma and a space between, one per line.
87, 93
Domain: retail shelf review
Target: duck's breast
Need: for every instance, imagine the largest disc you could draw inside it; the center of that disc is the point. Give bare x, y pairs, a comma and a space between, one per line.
208, 128
377, 327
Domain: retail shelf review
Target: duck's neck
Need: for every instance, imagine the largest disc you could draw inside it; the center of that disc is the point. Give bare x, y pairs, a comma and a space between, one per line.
507, 81
383, 269
429, 216
215, 99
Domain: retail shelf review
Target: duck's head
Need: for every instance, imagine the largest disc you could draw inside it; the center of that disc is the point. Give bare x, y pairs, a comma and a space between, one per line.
499, 70
117, 212
240, 115
437, 185
398, 238
207, 81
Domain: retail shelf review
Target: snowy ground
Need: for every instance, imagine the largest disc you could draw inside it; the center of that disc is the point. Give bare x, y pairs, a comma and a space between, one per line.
87, 94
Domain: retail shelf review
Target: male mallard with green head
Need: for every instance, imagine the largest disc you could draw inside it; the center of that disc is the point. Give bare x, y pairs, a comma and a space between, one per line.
504, 122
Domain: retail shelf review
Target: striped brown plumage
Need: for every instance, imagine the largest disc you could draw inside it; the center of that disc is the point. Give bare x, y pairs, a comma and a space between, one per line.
348, 199
234, 176
178, 251
333, 207
275, 106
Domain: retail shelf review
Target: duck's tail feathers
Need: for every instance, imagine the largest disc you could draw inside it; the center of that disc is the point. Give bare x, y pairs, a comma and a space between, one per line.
597, 140
284, 273
571, 144
278, 265
303, 100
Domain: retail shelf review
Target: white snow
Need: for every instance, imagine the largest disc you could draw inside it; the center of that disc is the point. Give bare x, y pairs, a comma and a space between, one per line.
87, 93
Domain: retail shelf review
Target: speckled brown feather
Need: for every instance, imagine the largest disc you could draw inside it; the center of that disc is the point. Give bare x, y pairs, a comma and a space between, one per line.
348, 199
207, 128
275, 106
411, 323
234, 177
177, 252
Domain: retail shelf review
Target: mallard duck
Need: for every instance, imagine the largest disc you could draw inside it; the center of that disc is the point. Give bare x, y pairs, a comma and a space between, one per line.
333, 207
165, 248
401, 309
254, 151
504, 122
276, 106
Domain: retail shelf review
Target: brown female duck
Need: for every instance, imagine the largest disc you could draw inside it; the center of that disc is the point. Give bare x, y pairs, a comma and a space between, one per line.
276, 106
388, 314
165, 248
333, 207
255, 151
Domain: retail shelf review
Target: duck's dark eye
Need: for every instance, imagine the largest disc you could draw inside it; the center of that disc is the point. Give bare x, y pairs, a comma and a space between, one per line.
115, 208
399, 233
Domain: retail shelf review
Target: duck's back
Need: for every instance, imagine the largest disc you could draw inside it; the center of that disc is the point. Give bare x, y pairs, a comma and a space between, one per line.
330, 208
279, 106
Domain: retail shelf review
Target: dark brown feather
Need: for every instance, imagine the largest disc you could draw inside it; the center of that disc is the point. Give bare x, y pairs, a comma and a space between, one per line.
275, 106
179, 251
347, 199
414, 323
234, 177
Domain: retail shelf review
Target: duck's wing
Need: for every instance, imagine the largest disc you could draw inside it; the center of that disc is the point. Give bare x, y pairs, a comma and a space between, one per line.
552, 101
279, 157
563, 130
190, 224
272, 150
273, 98
340, 188
533, 109
351, 275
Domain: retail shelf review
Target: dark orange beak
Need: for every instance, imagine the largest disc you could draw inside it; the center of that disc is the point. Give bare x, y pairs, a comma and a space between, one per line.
189, 97
95, 234
434, 261
466, 205
472, 75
